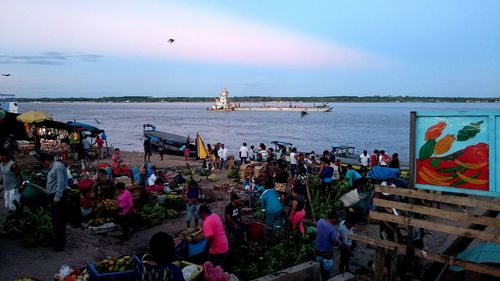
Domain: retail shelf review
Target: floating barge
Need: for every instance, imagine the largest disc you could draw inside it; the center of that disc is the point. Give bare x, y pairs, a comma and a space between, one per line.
222, 104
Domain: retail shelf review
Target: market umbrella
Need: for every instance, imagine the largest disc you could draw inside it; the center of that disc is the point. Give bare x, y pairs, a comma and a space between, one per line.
34, 116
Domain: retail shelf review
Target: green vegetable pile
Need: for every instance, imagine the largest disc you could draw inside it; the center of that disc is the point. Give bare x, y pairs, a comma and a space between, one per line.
152, 212
170, 213
271, 259
35, 227
234, 173
323, 202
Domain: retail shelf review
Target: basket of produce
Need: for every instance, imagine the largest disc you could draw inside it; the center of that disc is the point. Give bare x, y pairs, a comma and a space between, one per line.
107, 208
192, 234
153, 213
174, 202
119, 269
190, 271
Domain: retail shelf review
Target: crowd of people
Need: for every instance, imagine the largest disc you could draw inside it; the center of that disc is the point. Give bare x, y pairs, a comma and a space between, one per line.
280, 184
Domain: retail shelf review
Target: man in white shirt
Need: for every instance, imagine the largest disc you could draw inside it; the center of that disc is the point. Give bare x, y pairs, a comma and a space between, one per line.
244, 153
222, 156
293, 161
364, 160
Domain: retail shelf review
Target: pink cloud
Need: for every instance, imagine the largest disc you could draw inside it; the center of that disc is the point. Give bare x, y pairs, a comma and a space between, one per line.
142, 28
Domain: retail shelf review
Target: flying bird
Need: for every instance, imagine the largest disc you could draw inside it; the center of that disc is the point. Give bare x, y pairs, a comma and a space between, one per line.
303, 114
171, 40
6, 74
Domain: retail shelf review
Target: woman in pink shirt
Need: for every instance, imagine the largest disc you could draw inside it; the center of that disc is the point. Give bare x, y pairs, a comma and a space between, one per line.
125, 209
217, 243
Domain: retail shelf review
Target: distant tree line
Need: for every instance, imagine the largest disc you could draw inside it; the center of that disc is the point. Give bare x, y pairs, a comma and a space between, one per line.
328, 99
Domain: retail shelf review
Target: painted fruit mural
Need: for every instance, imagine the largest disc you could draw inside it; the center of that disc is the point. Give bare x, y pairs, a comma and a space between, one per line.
439, 165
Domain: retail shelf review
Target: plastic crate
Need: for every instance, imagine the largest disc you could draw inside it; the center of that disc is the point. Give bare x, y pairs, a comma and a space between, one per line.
196, 248
129, 275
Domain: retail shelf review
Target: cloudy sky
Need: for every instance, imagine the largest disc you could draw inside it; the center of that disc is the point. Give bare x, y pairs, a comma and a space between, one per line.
260, 47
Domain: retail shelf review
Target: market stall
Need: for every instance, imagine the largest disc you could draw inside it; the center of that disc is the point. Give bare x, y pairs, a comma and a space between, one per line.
81, 130
53, 138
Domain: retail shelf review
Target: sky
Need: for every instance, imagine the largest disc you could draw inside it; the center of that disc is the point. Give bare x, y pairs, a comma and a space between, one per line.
96, 48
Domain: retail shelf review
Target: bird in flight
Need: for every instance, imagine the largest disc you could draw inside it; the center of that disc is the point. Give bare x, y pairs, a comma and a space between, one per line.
303, 114
171, 40
6, 74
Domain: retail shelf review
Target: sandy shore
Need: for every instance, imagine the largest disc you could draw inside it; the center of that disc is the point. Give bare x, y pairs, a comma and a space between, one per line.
42, 263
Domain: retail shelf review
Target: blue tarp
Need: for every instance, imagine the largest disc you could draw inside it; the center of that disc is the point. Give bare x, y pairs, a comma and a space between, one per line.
482, 253
382, 173
84, 127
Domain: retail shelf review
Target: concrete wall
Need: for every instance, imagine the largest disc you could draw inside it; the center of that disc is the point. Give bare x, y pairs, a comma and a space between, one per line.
308, 271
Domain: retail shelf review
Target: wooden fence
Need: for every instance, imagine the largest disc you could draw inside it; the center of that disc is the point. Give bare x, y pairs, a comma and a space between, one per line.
450, 227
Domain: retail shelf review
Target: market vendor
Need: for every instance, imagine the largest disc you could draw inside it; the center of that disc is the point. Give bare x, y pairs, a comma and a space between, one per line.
57, 181
233, 222
85, 204
160, 267
326, 174
298, 211
352, 176
281, 179
10, 178
116, 156
271, 206
191, 194
100, 146
326, 239
157, 187
125, 209
213, 229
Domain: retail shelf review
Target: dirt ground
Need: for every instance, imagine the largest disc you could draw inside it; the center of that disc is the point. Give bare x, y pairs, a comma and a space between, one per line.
82, 247
42, 262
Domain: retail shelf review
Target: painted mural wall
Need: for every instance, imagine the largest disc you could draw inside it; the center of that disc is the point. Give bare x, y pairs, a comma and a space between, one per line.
458, 152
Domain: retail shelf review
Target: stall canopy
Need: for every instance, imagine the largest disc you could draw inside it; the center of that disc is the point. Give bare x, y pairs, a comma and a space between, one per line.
34, 116
84, 127
55, 125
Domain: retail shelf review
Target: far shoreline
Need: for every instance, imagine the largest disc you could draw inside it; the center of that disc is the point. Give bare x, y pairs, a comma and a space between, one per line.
328, 99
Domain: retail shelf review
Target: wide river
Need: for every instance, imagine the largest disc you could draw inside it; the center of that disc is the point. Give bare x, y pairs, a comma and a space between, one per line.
362, 125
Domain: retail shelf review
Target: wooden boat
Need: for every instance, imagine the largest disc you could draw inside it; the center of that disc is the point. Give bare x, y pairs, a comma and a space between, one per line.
173, 142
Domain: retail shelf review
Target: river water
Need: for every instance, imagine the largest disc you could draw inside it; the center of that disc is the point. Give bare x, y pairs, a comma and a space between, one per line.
362, 125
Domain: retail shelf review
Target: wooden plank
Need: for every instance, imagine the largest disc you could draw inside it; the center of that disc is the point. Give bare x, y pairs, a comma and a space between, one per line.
470, 201
413, 123
454, 230
449, 260
457, 216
